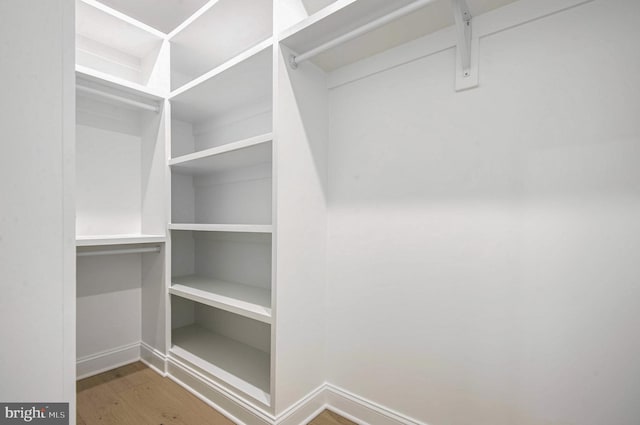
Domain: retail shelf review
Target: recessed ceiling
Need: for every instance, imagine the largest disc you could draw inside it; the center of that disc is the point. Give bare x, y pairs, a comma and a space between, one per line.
163, 15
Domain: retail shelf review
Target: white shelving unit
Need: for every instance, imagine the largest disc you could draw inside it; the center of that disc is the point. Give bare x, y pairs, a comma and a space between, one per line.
221, 197
121, 75
238, 24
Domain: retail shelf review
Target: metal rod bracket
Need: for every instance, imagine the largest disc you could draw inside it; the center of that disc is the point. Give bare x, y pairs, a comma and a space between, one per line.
467, 47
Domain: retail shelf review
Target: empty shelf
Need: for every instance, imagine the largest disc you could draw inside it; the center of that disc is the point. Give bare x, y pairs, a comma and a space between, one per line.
102, 240
256, 150
241, 83
246, 300
241, 366
241, 228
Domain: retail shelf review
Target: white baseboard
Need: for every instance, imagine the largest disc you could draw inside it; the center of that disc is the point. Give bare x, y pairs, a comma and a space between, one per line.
304, 410
326, 396
153, 358
228, 404
106, 360
363, 411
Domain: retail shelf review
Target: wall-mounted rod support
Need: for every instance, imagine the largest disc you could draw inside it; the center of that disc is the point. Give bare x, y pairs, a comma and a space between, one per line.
118, 251
463, 27
117, 98
295, 60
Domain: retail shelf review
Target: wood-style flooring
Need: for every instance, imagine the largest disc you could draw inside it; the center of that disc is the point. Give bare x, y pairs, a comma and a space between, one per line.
136, 395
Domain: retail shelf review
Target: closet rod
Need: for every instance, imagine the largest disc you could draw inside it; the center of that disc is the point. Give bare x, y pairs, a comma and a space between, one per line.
295, 60
120, 99
118, 251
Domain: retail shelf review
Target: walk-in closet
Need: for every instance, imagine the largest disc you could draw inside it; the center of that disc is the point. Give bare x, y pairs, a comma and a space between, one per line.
405, 212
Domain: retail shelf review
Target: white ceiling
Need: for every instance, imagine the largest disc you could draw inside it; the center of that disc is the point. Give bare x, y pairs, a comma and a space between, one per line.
163, 15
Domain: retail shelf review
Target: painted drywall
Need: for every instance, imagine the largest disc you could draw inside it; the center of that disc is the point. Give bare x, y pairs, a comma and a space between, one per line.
483, 245
37, 238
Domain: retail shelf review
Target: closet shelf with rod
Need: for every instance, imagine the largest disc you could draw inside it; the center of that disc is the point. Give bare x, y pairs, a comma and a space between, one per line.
118, 251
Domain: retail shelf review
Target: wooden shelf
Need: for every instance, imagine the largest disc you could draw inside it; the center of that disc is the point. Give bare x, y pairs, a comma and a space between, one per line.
248, 301
240, 228
104, 240
239, 365
229, 27
244, 153
240, 83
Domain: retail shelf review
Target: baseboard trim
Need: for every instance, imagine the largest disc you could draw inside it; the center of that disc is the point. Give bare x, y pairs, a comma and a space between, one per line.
327, 396
304, 410
153, 358
106, 360
225, 402
362, 411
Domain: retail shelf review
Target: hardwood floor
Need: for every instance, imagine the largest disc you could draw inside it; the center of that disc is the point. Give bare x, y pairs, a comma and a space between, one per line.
136, 395
329, 418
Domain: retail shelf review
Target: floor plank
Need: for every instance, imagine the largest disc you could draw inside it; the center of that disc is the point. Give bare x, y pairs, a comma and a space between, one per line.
329, 418
136, 395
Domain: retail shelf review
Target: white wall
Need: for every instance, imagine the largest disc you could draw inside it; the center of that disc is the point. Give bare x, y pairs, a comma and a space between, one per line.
37, 238
483, 245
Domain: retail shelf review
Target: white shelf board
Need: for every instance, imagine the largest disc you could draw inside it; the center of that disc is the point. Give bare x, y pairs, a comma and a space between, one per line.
86, 74
336, 19
239, 228
106, 26
245, 300
344, 16
239, 365
229, 27
244, 81
244, 153
103, 240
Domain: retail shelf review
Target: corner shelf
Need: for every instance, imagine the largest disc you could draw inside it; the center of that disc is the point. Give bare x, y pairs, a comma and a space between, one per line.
104, 240
240, 228
239, 365
244, 153
115, 44
245, 300
243, 81
238, 24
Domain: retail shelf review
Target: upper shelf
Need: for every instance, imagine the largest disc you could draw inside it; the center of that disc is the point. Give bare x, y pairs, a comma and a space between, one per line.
256, 150
218, 32
104, 240
344, 16
115, 92
115, 44
242, 82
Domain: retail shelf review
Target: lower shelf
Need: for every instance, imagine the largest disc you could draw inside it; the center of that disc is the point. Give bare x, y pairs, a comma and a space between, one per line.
239, 365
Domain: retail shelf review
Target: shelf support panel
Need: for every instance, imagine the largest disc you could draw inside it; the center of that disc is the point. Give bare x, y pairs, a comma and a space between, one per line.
467, 47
